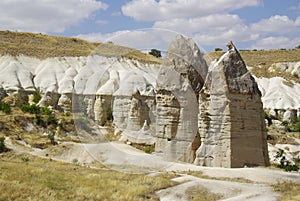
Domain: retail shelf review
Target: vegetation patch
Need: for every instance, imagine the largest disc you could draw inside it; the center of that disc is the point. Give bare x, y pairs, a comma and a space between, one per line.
200, 194
43, 179
5, 107
144, 147
289, 190
261, 60
201, 175
44, 46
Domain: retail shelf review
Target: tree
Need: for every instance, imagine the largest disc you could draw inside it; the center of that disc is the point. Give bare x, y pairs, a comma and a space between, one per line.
155, 53
218, 49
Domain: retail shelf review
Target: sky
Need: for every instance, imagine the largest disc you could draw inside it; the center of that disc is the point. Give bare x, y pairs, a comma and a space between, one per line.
147, 24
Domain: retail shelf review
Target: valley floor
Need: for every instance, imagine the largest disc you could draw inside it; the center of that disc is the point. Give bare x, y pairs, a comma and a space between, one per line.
187, 180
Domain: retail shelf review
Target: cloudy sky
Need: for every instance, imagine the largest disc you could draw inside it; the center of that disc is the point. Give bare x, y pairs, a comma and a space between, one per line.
144, 24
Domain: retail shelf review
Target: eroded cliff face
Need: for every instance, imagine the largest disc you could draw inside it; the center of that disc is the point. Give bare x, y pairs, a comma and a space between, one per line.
208, 117
231, 121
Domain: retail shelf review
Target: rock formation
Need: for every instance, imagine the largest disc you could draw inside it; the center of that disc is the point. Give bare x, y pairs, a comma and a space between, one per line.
231, 121
179, 81
208, 117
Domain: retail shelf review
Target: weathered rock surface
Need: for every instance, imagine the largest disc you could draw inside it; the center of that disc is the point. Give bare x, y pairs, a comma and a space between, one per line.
185, 57
289, 67
231, 121
210, 118
280, 96
179, 80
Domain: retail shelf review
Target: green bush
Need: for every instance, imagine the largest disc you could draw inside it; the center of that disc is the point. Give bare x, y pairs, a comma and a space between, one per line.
218, 49
38, 119
2, 145
36, 97
155, 52
46, 111
284, 163
293, 126
4, 107
51, 120
109, 114
33, 109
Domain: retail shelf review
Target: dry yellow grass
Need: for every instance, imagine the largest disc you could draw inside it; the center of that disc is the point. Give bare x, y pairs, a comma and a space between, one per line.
261, 60
25, 177
43, 46
201, 175
263, 57
290, 191
199, 194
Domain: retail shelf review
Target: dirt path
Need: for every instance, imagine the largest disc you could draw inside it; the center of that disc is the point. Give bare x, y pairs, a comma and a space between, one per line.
122, 157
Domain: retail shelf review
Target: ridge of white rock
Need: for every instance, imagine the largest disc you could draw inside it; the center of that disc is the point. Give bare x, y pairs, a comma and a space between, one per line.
279, 97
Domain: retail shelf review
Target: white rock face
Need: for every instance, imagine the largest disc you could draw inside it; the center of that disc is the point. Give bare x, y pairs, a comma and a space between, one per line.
14, 76
278, 95
179, 80
289, 67
231, 121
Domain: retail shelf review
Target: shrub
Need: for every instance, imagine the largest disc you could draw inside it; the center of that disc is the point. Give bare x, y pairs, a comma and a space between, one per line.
293, 126
51, 137
218, 49
25, 159
4, 107
36, 97
2, 145
51, 120
155, 52
33, 109
284, 163
109, 114
46, 111
38, 119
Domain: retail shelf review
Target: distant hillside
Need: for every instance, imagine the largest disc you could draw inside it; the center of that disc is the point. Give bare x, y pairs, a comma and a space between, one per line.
256, 58
262, 60
44, 46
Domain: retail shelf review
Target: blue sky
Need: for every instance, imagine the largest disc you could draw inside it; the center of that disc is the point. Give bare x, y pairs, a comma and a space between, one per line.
146, 24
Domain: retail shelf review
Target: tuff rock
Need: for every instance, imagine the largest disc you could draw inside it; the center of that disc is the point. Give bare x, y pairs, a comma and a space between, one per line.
231, 121
179, 80
211, 117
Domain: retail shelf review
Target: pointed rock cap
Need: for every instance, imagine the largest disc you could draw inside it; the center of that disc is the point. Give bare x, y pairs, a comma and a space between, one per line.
186, 58
238, 78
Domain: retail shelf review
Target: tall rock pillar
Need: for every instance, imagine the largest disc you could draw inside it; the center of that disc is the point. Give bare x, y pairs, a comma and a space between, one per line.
231, 121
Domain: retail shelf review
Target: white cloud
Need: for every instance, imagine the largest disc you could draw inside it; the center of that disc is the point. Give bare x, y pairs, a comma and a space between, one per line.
140, 39
276, 43
151, 10
45, 15
238, 33
210, 23
276, 24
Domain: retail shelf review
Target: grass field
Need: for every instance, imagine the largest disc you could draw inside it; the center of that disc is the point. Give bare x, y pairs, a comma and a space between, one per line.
24, 177
43, 46
261, 60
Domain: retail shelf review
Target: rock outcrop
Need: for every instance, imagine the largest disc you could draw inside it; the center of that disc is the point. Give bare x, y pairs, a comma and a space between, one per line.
231, 121
208, 117
179, 81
